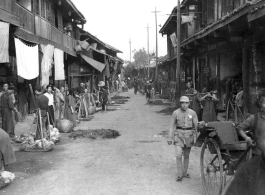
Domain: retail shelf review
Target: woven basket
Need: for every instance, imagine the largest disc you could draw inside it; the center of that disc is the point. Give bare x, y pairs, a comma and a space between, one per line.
65, 126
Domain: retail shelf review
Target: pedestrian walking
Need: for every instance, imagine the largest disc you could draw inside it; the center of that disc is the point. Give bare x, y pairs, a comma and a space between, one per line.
135, 85
103, 95
182, 133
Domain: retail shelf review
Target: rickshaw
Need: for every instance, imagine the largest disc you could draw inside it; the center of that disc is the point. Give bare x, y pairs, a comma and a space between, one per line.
222, 153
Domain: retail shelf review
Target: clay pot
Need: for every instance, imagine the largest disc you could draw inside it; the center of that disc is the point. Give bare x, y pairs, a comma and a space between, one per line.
65, 126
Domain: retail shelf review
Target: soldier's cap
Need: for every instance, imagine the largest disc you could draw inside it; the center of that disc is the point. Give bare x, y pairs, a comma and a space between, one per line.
184, 99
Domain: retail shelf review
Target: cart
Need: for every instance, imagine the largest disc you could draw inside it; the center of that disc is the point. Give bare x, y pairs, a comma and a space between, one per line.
222, 153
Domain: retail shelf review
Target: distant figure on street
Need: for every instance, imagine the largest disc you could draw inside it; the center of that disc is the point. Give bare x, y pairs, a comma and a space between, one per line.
69, 111
182, 133
148, 88
81, 89
50, 96
190, 93
42, 103
7, 107
135, 85
209, 110
103, 96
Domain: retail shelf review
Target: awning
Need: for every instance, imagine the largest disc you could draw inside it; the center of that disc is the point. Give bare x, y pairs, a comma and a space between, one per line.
97, 65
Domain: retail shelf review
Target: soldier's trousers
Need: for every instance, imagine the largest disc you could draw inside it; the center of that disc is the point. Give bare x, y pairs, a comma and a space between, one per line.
182, 157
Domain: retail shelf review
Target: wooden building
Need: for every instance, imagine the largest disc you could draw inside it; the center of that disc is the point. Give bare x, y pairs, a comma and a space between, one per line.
60, 24
224, 39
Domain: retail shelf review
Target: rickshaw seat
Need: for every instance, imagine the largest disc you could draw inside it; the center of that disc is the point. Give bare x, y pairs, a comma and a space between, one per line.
226, 131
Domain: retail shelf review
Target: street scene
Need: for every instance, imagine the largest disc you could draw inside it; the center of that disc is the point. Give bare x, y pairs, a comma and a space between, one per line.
132, 97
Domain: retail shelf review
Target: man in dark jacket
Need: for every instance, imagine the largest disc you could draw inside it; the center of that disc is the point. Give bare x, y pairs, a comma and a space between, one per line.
42, 103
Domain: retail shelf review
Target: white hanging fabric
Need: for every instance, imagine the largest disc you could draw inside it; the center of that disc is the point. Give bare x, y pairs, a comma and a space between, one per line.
27, 60
59, 64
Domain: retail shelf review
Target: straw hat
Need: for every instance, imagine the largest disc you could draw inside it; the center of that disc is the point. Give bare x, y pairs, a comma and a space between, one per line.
101, 84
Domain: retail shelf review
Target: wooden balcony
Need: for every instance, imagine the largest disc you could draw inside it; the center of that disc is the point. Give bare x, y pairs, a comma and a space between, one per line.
38, 26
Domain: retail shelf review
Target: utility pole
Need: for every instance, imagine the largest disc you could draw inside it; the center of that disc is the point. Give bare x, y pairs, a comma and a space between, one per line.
155, 12
130, 50
148, 63
178, 73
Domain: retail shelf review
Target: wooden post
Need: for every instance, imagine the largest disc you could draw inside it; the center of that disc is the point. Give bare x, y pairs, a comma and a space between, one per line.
245, 77
218, 78
194, 72
178, 70
208, 66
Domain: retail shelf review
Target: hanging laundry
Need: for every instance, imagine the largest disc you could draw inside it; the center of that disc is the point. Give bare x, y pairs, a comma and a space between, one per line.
173, 38
59, 64
4, 42
27, 60
107, 71
187, 19
46, 62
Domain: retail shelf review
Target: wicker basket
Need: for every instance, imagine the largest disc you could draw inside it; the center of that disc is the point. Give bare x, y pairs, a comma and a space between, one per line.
65, 126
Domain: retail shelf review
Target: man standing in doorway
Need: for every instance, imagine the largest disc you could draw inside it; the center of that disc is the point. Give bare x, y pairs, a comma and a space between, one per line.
182, 133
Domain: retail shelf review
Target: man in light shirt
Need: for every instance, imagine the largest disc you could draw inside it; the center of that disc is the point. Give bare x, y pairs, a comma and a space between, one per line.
50, 96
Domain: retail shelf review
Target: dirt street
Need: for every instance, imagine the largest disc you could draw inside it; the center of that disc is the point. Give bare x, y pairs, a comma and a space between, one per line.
137, 162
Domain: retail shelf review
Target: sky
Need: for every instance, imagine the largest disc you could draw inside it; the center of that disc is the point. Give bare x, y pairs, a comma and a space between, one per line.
117, 21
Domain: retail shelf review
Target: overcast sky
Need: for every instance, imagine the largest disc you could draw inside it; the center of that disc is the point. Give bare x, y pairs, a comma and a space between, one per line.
116, 21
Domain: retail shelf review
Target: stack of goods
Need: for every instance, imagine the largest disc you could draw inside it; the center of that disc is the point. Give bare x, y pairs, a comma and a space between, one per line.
6, 178
29, 143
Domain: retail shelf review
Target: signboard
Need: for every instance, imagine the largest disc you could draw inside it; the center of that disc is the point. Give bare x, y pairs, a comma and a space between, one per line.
206, 71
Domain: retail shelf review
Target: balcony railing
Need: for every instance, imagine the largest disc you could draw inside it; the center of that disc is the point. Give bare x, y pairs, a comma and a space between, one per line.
42, 28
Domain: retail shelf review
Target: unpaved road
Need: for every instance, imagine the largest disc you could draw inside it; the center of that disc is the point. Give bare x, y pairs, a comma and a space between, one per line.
138, 162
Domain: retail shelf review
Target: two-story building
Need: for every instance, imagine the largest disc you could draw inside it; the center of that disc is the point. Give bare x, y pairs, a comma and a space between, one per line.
39, 41
223, 40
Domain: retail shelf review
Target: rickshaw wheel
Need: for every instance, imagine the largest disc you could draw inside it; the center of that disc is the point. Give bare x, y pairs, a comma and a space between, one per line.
211, 168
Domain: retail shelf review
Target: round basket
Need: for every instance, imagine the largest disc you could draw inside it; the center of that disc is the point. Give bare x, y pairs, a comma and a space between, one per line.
65, 126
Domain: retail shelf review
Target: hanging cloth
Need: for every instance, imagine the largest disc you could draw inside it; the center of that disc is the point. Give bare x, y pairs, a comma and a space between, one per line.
187, 19
46, 62
27, 60
59, 65
107, 71
4, 42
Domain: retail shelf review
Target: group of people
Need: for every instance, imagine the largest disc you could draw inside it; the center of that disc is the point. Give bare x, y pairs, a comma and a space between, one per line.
204, 104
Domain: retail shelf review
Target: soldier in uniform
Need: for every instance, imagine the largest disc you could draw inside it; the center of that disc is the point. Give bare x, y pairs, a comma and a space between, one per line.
182, 133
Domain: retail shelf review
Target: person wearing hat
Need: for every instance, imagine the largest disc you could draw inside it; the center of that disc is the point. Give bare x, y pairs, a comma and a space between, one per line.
81, 89
7, 107
42, 103
103, 95
182, 133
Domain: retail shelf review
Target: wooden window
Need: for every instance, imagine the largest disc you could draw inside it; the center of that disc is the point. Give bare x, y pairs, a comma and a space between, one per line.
60, 20
47, 11
210, 11
37, 7
42, 8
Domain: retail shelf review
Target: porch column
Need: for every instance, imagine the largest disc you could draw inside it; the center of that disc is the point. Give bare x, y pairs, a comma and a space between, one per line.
194, 72
245, 77
218, 78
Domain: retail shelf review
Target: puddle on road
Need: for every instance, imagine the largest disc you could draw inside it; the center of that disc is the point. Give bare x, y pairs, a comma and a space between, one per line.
95, 134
